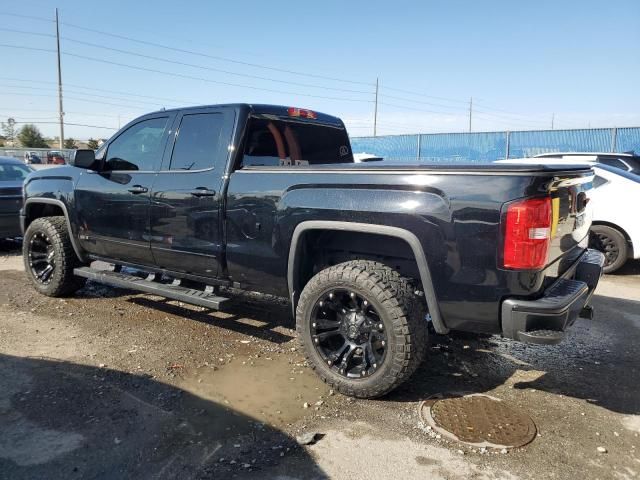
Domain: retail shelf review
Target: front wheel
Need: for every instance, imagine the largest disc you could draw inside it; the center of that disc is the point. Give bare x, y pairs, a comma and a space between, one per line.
49, 258
361, 327
612, 243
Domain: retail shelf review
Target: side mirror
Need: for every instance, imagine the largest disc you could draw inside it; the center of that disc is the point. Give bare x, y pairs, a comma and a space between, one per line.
83, 158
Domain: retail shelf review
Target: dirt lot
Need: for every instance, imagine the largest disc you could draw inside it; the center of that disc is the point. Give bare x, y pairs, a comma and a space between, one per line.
111, 384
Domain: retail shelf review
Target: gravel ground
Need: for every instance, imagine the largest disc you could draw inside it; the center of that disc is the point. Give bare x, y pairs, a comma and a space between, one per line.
113, 384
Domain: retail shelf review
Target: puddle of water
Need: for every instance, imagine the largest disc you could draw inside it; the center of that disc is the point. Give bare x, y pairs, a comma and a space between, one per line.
264, 390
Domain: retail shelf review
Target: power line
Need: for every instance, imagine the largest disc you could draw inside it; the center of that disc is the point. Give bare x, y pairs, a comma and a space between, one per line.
30, 17
14, 30
450, 107
424, 95
404, 99
466, 102
186, 64
29, 87
192, 77
414, 109
22, 47
71, 113
524, 121
68, 123
93, 89
72, 98
214, 57
212, 69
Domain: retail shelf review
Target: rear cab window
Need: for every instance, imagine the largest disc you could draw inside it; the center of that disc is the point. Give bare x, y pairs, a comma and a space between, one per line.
281, 142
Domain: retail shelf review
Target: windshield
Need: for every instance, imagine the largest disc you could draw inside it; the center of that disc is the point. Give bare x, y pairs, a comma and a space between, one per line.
13, 172
272, 143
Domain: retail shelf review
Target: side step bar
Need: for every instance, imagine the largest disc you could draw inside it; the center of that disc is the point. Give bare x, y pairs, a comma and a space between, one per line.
172, 291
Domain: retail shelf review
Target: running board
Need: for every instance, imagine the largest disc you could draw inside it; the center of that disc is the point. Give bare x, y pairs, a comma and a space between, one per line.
172, 291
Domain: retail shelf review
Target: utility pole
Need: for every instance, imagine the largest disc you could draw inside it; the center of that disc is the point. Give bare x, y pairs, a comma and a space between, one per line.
375, 111
60, 109
553, 115
470, 112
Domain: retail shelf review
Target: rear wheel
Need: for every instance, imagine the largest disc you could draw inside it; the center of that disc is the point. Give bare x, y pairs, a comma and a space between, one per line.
612, 243
49, 258
361, 327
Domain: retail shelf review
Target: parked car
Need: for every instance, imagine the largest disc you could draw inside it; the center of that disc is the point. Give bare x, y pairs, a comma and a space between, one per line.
55, 157
616, 224
615, 228
32, 158
12, 174
269, 199
628, 162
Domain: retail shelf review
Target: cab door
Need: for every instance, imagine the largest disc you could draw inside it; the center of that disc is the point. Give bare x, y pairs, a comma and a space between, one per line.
113, 204
186, 200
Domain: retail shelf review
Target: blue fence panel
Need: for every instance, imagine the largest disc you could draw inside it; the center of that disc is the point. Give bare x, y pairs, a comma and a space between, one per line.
628, 140
489, 146
531, 143
398, 148
481, 147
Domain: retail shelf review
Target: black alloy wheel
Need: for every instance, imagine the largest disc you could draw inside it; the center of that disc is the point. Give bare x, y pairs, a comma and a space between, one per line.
49, 257
348, 333
41, 258
362, 327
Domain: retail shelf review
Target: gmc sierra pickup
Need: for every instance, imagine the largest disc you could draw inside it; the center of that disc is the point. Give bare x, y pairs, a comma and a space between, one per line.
371, 256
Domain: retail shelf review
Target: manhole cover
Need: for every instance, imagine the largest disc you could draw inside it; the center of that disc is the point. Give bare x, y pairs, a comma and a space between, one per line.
479, 420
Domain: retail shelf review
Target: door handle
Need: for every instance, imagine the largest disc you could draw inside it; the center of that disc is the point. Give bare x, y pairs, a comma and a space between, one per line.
203, 192
136, 189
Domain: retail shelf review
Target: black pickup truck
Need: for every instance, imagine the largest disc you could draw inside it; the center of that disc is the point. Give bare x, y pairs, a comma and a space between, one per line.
195, 202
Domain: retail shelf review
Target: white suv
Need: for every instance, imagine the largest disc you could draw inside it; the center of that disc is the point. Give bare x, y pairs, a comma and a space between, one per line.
627, 162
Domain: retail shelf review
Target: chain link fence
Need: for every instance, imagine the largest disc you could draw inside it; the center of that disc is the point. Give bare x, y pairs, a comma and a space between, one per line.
20, 152
485, 147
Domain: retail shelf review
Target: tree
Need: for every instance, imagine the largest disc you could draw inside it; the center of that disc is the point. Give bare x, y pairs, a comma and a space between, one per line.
30, 137
70, 143
9, 130
93, 144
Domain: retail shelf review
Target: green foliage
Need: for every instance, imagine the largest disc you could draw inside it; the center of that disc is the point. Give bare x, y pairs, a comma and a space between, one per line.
92, 144
70, 143
30, 137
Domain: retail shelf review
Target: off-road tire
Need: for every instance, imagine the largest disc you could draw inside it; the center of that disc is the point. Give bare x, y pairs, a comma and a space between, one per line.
63, 282
401, 311
602, 237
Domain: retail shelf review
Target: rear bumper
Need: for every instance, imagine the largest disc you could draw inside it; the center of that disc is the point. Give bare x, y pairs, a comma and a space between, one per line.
544, 320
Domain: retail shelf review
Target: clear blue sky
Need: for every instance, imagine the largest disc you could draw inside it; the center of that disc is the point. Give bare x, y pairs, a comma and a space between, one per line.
521, 61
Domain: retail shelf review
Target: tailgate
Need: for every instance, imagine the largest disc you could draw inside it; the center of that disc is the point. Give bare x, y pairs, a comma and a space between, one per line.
571, 218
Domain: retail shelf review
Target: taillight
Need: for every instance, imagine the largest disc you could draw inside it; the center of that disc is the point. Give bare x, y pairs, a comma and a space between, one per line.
302, 113
527, 234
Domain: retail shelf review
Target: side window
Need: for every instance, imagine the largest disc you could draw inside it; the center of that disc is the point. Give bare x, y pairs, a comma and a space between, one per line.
139, 147
614, 162
197, 141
